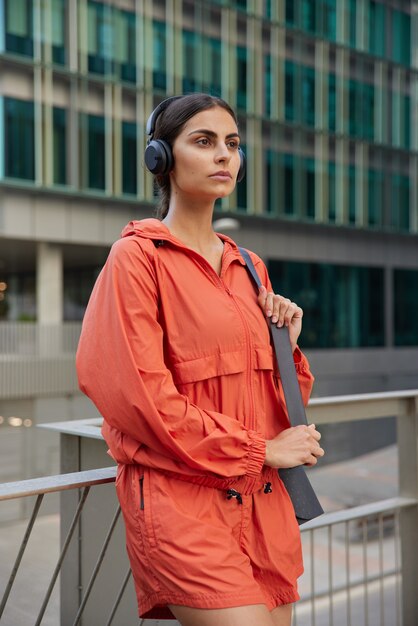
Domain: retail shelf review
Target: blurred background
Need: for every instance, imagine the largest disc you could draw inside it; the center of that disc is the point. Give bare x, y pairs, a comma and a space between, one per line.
326, 93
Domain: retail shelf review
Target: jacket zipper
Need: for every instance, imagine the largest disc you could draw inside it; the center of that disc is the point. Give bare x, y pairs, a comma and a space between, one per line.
252, 420
141, 493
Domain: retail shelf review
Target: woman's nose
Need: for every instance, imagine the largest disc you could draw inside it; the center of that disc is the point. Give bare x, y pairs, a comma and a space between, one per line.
222, 154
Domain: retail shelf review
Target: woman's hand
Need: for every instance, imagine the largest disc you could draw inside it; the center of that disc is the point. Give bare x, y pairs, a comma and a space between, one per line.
282, 311
297, 445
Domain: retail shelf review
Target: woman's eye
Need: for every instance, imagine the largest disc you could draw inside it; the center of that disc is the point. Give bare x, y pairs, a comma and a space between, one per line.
233, 144
203, 141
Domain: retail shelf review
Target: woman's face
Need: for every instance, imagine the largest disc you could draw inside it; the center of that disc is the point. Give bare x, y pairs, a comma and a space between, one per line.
206, 158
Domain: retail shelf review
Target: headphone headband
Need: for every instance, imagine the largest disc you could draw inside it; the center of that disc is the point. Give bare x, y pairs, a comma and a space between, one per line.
150, 127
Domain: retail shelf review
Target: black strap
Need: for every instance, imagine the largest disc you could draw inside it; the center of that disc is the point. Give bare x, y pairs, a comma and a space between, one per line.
284, 357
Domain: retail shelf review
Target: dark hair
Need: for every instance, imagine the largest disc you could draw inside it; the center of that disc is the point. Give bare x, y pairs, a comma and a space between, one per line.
169, 125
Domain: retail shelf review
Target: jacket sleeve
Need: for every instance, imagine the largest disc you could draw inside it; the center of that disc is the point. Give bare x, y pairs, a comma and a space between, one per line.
304, 374
120, 366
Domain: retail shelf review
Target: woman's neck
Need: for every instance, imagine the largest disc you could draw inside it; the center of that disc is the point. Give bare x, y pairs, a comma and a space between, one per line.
192, 225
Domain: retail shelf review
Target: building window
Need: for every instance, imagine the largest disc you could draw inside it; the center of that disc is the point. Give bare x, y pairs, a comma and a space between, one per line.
401, 37
332, 102
290, 70
125, 45
375, 197
191, 74
289, 187
329, 23
59, 121
377, 28
96, 151
19, 135
100, 38
405, 304
78, 284
342, 304
332, 211
309, 8
215, 66
267, 84
400, 189
309, 186
129, 158
241, 77
352, 194
159, 74
308, 96
19, 27
58, 20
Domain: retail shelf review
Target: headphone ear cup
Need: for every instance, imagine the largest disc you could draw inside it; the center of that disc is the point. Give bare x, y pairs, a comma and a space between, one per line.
158, 157
241, 171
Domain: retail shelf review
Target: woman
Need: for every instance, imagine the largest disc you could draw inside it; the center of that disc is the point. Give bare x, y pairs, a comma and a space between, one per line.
175, 353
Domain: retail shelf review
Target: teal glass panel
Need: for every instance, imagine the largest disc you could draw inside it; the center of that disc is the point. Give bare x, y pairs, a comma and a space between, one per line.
406, 122
375, 197
354, 100
342, 305
241, 77
332, 212
352, 22
159, 74
351, 194
377, 28
400, 194
59, 124
129, 158
267, 9
58, 21
329, 19
290, 73
289, 183
96, 151
308, 96
332, 102
125, 44
405, 303
267, 84
19, 139
19, 27
367, 113
308, 21
309, 187
100, 38
401, 37
215, 67
290, 12
271, 167
191, 75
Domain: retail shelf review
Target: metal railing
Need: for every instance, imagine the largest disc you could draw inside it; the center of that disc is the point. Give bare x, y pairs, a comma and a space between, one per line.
37, 359
353, 591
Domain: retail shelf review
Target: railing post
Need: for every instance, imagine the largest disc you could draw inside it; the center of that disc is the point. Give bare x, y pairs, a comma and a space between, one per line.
408, 486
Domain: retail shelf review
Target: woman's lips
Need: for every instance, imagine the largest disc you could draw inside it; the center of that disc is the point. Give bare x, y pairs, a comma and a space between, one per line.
222, 175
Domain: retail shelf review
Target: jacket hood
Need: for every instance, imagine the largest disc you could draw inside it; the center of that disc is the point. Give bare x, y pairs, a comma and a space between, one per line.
152, 228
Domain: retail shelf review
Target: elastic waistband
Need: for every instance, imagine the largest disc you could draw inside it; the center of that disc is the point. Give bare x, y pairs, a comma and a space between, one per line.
245, 485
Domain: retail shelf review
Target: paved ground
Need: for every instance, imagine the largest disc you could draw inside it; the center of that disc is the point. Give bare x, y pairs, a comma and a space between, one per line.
362, 480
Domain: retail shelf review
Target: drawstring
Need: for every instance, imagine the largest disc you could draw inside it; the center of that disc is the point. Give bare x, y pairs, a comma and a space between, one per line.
232, 493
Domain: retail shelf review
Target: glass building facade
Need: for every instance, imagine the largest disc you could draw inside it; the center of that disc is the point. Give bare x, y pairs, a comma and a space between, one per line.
326, 93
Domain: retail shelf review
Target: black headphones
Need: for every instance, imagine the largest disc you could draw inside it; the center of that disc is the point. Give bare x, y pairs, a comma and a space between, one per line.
158, 154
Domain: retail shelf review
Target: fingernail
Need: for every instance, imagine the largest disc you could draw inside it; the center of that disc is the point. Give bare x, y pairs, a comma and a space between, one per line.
268, 313
280, 324
274, 319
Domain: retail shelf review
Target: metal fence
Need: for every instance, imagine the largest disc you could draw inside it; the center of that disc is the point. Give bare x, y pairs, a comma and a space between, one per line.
37, 359
368, 568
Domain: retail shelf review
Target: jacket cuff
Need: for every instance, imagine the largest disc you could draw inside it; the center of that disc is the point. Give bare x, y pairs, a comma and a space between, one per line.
256, 454
300, 360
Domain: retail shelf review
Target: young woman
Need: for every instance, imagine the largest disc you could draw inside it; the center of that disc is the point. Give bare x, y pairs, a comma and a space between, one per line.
176, 355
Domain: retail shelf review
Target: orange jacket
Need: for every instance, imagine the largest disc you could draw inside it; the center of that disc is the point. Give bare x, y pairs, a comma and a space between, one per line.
178, 360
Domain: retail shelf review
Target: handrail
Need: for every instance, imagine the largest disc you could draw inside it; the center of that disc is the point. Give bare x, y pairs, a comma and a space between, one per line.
60, 482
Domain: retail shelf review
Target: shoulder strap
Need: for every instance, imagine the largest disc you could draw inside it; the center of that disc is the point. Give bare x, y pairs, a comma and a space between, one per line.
284, 358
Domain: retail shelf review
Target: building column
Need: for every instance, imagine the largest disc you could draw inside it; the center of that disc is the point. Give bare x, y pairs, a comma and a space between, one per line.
49, 284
